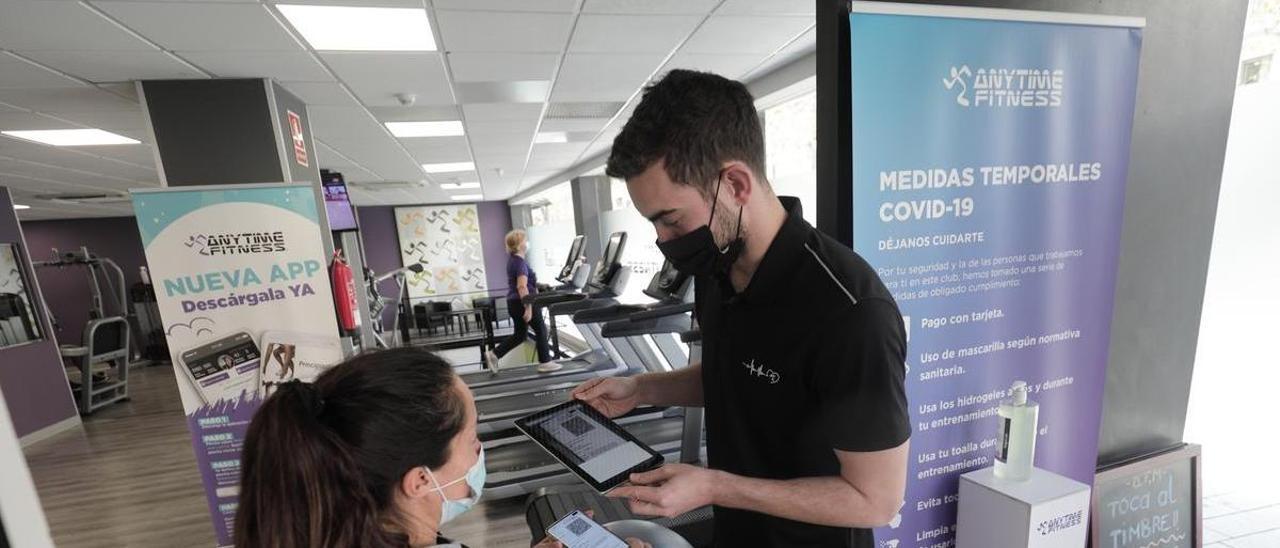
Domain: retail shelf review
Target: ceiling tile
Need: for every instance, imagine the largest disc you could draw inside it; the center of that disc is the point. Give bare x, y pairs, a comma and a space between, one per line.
66, 99
438, 149
501, 112
43, 25
557, 6
603, 77
110, 120
558, 150
204, 27
729, 66
804, 45
742, 34
113, 66
489, 144
503, 32
494, 67
376, 78
573, 124
321, 93
284, 66
16, 72
649, 6
431, 113
527, 91
770, 7
631, 33
19, 120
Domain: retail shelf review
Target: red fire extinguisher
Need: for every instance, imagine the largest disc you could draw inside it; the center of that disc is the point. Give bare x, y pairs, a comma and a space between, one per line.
344, 294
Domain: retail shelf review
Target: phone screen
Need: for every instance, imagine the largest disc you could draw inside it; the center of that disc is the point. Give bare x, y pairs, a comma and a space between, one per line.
576, 530
224, 368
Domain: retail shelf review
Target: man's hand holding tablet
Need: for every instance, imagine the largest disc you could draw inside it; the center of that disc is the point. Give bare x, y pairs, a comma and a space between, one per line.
590, 444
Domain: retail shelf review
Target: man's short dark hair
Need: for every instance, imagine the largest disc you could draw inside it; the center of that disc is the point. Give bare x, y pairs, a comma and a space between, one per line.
695, 121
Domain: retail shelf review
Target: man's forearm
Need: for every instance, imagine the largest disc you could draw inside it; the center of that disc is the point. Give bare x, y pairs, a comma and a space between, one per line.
682, 387
823, 500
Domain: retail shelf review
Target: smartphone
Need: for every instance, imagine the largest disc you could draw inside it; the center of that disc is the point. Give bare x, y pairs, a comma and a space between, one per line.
223, 369
576, 530
288, 356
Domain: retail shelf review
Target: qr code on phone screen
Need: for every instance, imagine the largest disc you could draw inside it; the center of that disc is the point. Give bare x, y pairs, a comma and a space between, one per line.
578, 526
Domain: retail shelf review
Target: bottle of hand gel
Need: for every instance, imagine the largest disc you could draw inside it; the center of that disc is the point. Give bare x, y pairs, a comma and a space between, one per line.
1017, 442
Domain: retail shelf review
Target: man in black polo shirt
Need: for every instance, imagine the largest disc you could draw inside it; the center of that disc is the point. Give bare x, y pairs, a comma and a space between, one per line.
803, 347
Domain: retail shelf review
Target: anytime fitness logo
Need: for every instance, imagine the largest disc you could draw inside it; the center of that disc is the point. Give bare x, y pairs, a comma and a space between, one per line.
239, 243
1000, 87
1060, 523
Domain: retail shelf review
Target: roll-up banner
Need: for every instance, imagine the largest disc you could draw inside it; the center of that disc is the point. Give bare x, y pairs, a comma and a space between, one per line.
990, 149
243, 290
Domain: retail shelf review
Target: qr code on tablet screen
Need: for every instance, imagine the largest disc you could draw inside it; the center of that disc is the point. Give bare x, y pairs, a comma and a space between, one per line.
577, 426
578, 527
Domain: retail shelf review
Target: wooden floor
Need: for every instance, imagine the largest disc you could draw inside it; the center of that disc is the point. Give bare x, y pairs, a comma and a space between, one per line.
129, 479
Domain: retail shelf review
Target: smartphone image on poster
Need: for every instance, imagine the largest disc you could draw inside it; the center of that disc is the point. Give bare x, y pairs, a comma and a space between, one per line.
576, 530
224, 368
288, 356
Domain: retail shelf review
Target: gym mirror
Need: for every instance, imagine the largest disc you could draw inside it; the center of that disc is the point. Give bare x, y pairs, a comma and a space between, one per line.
18, 323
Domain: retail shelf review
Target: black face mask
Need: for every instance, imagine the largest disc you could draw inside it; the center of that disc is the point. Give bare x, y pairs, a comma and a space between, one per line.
697, 254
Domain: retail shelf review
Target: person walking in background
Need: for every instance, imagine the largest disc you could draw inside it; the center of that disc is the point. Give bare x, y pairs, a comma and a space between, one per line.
522, 282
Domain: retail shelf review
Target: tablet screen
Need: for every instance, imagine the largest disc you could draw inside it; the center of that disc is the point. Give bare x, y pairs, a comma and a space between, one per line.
589, 445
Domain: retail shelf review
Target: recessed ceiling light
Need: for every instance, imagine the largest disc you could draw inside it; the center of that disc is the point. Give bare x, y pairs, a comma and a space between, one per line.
347, 28
460, 197
459, 186
21, 207
551, 137
450, 128
449, 166
72, 137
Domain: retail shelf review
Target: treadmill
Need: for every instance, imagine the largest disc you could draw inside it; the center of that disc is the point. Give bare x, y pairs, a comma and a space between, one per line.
549, 503
522, 390
606, 281
517, 466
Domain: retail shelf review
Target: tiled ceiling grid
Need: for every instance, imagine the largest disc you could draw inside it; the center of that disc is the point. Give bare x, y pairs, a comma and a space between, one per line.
508, 69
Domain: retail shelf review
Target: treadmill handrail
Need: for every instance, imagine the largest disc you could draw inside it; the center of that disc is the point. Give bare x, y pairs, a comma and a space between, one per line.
661, 310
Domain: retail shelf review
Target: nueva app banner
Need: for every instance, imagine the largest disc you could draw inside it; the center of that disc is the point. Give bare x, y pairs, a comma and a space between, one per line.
243, 290
990, 150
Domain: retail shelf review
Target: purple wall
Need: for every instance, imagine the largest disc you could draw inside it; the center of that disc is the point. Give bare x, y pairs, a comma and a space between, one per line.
31, 375
495, 222
66, 289
382, 244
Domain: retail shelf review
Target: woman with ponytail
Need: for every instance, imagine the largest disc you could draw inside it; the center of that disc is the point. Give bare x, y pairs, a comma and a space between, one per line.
379, 452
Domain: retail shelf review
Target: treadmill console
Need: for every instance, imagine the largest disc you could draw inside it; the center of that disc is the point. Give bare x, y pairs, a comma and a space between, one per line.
575, 257
610, 261
667, 284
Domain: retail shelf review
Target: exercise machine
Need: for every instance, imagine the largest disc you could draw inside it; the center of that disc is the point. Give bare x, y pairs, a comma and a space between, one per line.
574, 287
547, 504
101, 360
517, 466
378, 303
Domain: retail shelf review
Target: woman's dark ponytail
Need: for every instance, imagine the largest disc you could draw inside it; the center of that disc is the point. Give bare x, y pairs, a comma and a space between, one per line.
321, 462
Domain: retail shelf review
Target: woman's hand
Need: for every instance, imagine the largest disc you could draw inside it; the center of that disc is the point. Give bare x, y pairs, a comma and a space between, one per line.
528, 313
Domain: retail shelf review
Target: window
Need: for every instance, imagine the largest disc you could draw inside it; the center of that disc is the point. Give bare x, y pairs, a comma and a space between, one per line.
791, 143
550, 231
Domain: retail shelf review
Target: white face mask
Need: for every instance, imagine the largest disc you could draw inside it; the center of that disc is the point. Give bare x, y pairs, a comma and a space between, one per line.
475, 480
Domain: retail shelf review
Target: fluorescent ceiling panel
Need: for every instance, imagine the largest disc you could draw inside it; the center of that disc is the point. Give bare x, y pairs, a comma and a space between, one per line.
21, 207
448, 167
448, 128
461, 197
347, 28
551, 137
460, 186
72, 137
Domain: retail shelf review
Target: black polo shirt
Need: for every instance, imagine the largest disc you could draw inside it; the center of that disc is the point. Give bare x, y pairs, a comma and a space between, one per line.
807, 359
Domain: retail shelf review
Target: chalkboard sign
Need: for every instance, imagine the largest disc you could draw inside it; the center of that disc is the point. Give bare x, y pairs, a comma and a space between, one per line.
1153, 502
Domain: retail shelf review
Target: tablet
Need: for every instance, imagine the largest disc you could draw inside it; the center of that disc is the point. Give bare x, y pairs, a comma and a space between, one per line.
594, 447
